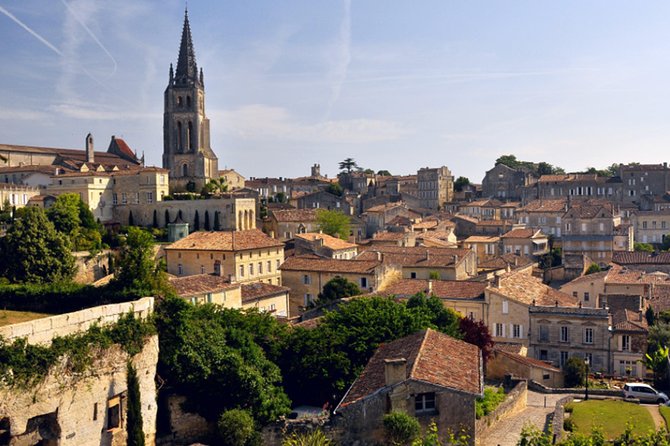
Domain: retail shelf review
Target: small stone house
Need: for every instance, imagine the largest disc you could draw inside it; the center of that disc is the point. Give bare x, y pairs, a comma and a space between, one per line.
284, 224
526, 241
324, 245
428, 374
503, 362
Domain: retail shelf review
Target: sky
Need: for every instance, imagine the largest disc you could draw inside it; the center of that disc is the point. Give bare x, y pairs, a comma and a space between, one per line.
393, 84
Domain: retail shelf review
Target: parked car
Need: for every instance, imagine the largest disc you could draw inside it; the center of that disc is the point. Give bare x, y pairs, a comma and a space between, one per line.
645, 393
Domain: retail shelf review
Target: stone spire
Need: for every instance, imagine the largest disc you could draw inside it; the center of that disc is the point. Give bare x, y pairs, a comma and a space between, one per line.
187, 69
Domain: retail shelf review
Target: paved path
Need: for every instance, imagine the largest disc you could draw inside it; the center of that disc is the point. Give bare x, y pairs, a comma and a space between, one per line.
656, 415
508, 430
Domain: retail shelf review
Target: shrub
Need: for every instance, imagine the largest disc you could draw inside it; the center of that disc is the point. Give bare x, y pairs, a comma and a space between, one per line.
492, 398
314, 438
575, 372
236, 427
401, 428
568, 424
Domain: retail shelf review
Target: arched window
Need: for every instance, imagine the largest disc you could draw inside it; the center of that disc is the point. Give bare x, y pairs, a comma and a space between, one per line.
240, 221
217, 268
179, 101
189, 137
184, 170
188, 101
180, 140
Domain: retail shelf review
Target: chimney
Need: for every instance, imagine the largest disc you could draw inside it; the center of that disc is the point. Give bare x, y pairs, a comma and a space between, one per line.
430, 287
395, 371
380, 256
90, 154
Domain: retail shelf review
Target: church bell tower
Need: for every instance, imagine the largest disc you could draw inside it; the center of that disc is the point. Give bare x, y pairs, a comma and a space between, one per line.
186, 148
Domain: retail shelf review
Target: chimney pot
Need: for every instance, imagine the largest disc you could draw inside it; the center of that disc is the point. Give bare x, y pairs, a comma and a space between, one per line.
395, 370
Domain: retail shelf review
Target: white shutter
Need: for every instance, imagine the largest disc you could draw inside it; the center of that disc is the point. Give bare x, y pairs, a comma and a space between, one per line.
521, 335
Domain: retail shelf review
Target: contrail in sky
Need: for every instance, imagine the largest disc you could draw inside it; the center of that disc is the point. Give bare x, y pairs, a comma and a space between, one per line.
27, 28
93, 36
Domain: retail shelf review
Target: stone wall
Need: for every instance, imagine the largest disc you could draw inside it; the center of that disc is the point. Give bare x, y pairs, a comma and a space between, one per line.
273, 434
185, 428
559, 416
90, 269
537, 387
42, 331
515, 402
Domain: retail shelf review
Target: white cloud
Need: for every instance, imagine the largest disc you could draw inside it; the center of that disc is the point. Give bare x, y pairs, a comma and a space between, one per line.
97, 113
262, 122
21, 115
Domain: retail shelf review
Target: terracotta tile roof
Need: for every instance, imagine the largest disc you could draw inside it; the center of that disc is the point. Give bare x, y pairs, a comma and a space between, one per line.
295, 215
588, 278
640, 258
429, 224
482, 239
466, 218
389, 236
225, 241
50, 170
386, 207
445, 289
627, 320
415, 256
313, 263
570, 177
559, 205
618, 274
525, 360
399, 220
526, 289
500, 262
260, 290
510, 347
521, 233
329, 241
432, 357
502, 223
199, 284
590, 210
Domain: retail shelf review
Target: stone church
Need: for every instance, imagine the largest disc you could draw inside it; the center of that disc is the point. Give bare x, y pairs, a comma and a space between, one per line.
186, 146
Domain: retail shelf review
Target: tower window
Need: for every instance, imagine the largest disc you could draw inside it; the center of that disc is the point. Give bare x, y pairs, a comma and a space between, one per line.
188, 101
184, 170
179, 101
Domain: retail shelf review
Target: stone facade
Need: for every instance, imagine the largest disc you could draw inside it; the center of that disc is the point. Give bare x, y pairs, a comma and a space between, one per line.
87, 408
435, 187
505, 183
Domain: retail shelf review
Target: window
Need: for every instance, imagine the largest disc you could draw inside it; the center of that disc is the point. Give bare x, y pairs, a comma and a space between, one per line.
364, 282
278, 264
424, 402
202, 269
588, 357
564, 358
306, 279
574, 294
269, 266
95, 411
124, 198
586, 297
544, 333
308, 299
180, 269
251, 269
565, 334
150, 197
544, 355
115, 198
260, 267
241, 270
505, 307
114, 413
588, 336
137, 198
412, 275
625, 343
516, 331
500, 330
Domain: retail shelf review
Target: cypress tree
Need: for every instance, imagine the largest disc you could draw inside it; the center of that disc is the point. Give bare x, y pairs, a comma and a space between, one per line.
196, 221
217, 223
131, 220
207, 228
134, 411
167, 217
155, 223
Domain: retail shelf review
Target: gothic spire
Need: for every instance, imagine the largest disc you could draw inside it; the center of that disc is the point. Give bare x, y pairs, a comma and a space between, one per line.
186, 66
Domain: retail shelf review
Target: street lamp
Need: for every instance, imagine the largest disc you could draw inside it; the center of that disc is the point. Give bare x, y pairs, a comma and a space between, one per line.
586, 391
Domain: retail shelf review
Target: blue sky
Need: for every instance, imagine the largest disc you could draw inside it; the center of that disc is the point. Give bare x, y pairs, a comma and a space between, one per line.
395, 85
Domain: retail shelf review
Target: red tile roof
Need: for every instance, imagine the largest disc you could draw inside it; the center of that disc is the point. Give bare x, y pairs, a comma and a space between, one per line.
432, 357
225, 241
418, 256
199, 284
260, 290
444, 289
329, 241
526, 289
559, 205
521, 233
640, 258
525, 360
312, 263
295, 215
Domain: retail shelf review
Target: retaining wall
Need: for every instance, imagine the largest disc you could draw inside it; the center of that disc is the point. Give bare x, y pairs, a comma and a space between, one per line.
514, 402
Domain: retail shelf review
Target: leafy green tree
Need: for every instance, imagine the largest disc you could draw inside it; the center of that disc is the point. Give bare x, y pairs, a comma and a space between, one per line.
137, 271
215, 186
167, 217
333, 223
134, 411
64, 213
335, 189
280, 197
432, 311
657, 361
236, 427
369, 171
348, 164
575, 372
593, 268
400, 428
460, 183
337, 288
384, 173
210, 356
508, 160
643, 247
34, 252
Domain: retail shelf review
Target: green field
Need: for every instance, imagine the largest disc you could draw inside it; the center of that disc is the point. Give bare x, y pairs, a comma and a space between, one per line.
8, 317
611, 416
665, 413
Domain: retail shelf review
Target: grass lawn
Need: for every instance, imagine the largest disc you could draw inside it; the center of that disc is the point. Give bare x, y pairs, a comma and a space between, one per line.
665, 413
8, 317
611, 416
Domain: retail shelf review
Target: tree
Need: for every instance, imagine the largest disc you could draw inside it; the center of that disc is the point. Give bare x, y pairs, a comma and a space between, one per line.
333, 223
460, 183
131, 220
593, 268
400, 428
196, 221
217, 223
34, 252
477, 333
313, 438
235, 427
508, 160
64, 213
575, 372
337, 288
137, 271
167, 217
643, 247
207, 227
335, 189
213, 356
155, 220
657, 361
384, 173
348, 164
215, 186
134, 410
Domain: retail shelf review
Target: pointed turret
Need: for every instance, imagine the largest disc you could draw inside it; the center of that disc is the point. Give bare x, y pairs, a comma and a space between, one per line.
187, 69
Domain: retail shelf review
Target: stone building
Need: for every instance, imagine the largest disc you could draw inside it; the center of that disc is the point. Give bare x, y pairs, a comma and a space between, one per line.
526, 241
643, 179
546, 215
577, 186
186, 142
435, 187
284, 224
17, 195
232, 179
324, 245
503, 362
558, 333
84, 408
307, 275
486, 247
506, 183
428, 375
650, 226
241, 256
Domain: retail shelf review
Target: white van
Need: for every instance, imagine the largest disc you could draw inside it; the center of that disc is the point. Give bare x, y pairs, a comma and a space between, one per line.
645, 393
